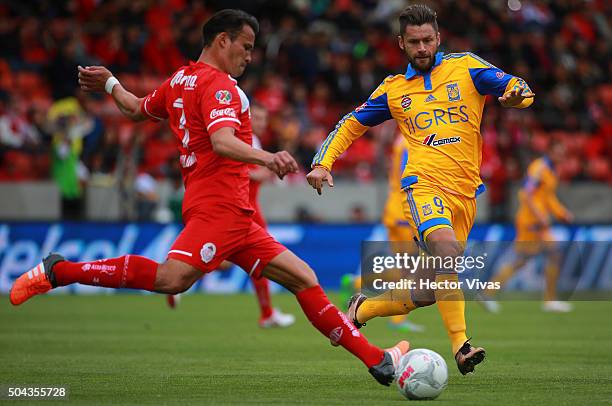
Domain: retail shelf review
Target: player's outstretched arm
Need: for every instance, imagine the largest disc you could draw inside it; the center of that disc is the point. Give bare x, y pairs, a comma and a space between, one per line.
99, 79
226, 144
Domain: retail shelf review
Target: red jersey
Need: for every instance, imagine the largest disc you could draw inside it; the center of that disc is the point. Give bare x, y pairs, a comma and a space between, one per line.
198, 100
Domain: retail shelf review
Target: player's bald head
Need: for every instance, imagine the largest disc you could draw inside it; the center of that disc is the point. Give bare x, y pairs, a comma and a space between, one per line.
230, 21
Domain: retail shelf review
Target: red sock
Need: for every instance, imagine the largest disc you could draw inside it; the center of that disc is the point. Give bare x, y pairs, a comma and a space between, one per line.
128, 271
333, 323
262, 290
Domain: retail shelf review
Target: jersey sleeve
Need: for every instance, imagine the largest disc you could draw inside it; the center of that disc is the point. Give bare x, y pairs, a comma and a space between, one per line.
490, 80
154, 104
352, 126
221, 106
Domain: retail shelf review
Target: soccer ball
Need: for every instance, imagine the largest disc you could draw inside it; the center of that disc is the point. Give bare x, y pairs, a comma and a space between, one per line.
421, 374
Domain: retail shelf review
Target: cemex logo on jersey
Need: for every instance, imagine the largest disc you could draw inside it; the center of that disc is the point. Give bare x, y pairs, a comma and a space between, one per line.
223, 96
188, 81
431, 140
228, 112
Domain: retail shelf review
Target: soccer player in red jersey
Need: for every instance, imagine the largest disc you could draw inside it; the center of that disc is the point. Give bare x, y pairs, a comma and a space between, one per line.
269, 316
209, 115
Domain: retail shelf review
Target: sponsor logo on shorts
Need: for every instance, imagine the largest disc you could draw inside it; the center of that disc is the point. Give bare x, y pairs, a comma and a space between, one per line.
336, 335
228, 112
86, 267
223, 96
432, 141
208, 252
500, 74
361, 107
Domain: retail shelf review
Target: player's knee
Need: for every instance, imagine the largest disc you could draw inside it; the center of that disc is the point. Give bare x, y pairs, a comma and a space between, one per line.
173, 279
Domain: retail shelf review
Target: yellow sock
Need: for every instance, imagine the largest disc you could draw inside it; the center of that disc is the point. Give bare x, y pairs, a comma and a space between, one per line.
551, 274
451, 305
391, 303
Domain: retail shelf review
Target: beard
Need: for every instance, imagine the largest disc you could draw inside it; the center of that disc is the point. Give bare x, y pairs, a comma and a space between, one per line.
423, 64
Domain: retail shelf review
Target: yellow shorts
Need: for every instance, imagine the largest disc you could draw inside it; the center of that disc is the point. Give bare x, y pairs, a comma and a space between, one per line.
429, 208
531, 239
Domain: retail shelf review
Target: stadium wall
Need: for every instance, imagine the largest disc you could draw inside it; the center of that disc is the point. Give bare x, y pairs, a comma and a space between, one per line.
590, 202
332, 250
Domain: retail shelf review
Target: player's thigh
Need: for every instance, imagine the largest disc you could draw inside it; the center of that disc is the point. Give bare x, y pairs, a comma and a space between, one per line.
464, 213
262, 256
290, 271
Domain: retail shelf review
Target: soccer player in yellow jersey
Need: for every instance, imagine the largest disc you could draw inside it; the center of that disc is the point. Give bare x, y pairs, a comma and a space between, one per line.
438, 104
538, 203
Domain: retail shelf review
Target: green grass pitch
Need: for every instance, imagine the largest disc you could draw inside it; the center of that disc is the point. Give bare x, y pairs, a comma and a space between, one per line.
131, 349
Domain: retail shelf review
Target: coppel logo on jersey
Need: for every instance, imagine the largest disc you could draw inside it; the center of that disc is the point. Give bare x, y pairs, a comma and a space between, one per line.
452, 89
431, 140
223, 96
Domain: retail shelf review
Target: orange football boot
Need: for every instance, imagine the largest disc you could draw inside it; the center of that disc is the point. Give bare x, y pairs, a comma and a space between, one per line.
36, 281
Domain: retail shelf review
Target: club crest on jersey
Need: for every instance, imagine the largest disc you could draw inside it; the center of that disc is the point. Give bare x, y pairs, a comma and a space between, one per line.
406, 102
427, 209
452, 89
432, 141
223, 96
208, 252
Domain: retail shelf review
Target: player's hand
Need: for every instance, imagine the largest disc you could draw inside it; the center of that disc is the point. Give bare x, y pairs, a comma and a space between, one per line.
515, 96
317, 176
282, 163
567, 217
93, 78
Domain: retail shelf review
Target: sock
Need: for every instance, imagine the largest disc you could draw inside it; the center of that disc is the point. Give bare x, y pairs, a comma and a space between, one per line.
332, 323
262, 291
391, 303
451, 305
128, 271
551, 274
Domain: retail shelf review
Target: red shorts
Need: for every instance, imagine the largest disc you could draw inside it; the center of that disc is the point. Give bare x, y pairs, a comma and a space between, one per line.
205, 242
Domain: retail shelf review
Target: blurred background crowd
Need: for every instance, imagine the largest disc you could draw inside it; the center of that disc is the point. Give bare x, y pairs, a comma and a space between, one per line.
315, 60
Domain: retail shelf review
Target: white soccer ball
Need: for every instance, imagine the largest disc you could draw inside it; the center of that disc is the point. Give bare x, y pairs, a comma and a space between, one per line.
421, 374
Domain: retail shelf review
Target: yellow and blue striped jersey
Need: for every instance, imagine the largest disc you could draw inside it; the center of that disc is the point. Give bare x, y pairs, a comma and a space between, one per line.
439, 113
541, 184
